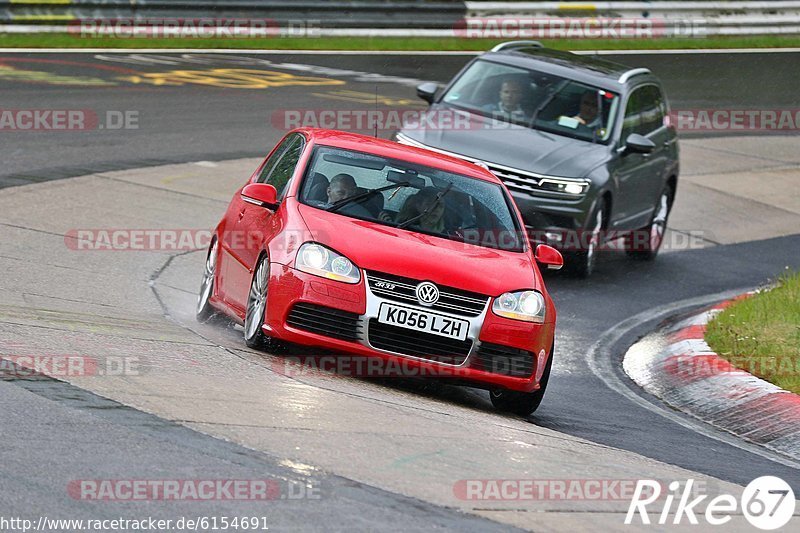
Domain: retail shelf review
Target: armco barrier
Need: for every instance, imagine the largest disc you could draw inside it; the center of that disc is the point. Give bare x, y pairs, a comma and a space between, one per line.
703, 17
413, 17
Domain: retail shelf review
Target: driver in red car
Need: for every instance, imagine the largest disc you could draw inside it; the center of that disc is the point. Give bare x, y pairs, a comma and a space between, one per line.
342, 187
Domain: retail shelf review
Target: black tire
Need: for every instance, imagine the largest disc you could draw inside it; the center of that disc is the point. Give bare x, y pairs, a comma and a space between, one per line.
644, 244
204, 312
255, 314
581, 263
522, 403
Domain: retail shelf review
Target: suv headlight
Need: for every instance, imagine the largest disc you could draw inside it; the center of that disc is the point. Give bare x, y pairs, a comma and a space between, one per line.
523, 305
564, 186
320, 261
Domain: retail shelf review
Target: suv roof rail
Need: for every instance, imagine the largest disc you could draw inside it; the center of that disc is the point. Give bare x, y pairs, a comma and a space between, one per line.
633, 72
516, 45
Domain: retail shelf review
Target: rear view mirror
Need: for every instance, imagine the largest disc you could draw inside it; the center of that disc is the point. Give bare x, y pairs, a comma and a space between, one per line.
395, 176
549, 256
261, 194
427, 91
638, 144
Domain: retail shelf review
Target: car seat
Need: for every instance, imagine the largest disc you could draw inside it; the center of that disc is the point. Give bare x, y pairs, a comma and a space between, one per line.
318, 191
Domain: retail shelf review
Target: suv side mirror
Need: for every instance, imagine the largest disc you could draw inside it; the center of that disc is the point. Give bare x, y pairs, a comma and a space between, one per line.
262, 195
549, 256
639, 144
427, 91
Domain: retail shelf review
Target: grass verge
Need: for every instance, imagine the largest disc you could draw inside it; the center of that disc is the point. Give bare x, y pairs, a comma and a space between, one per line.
761, 334
63, 40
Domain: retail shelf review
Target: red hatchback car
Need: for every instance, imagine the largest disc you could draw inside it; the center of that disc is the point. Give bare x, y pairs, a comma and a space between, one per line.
367, 247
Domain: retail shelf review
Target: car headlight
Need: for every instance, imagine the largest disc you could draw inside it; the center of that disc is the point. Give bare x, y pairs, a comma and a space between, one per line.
523, 305
564, 186
320, 261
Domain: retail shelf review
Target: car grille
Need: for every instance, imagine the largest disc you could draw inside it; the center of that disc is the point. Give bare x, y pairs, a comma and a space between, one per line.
505, 360
325, 321
530, 184
399, 289
515, 181
418, 344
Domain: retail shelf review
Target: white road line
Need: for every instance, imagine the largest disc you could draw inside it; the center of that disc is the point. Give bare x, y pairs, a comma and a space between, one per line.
602, 366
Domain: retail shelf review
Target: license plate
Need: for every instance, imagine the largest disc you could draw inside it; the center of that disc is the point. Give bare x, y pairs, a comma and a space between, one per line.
433, 323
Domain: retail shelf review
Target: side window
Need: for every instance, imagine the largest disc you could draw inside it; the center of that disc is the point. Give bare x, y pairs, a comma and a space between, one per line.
633, 115
281, 165
652, 109
262, 177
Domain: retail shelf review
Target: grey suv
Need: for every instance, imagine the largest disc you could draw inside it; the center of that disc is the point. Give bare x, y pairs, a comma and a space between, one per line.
584, 145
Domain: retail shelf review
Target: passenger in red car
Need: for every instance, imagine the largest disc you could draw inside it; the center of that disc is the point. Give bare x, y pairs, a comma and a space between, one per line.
421, 202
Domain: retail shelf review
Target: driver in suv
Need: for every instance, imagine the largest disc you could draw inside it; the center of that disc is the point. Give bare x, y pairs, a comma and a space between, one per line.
595, 158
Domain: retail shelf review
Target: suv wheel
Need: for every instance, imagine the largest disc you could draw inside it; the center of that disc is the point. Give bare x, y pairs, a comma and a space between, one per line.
522, 403
645, 243
581, 263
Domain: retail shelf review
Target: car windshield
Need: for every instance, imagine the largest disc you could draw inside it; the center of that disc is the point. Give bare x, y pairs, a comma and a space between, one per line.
411, 197
535, 99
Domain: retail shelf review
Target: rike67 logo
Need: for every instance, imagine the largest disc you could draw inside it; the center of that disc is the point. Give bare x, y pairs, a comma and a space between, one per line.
767, 503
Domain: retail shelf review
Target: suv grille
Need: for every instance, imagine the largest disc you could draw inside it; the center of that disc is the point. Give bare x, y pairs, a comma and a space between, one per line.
532, 184
399, 289
516, 182
325, 321
418, 344
504, 360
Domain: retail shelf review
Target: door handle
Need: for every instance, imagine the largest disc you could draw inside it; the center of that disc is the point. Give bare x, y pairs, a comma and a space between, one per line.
241, 214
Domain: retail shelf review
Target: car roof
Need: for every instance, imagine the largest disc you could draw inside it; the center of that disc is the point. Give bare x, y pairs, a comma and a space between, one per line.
394, 150
582, 68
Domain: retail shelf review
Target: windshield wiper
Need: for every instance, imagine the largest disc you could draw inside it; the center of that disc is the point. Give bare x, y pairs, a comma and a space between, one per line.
547, 102
364, 195
431, 208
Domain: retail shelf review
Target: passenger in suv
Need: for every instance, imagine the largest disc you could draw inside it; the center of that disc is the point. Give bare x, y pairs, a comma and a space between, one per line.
592, 157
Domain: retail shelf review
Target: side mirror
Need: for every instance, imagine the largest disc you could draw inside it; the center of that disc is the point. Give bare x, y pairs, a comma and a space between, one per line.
427, 91
261, 194
549, 256
638, 144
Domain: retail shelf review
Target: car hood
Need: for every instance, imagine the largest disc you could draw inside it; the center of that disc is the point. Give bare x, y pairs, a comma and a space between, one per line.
512, 146
373, 246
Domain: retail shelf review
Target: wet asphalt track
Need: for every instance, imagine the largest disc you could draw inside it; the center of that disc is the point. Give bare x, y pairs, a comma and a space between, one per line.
44, 420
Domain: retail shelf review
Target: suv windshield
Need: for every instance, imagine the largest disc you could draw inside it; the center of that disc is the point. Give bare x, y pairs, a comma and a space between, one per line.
535, 99
412, 197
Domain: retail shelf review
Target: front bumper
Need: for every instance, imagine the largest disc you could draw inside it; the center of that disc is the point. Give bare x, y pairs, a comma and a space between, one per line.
487, 332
